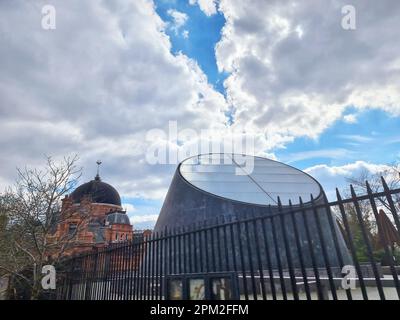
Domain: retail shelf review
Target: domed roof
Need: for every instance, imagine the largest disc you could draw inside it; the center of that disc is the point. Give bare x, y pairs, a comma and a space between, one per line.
98, 191
117, 218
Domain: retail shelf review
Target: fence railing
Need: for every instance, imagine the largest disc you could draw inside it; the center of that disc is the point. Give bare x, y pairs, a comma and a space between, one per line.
344, 249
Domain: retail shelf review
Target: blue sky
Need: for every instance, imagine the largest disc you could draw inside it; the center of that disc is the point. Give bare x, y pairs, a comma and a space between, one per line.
204, 33
375, 138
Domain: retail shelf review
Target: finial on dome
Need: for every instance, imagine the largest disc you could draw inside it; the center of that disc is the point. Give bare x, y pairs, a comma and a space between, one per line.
98, 170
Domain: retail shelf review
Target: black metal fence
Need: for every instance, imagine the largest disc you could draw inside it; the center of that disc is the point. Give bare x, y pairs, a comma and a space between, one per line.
345, 249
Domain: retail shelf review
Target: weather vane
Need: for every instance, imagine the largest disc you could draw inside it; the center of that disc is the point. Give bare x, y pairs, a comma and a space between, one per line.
98, 168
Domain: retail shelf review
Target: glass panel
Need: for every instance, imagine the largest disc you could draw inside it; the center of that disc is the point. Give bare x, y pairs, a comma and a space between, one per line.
269, 179
175, 289
221, 289
196, 289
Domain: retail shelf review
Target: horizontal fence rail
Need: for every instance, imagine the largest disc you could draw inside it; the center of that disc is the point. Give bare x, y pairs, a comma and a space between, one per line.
345, 249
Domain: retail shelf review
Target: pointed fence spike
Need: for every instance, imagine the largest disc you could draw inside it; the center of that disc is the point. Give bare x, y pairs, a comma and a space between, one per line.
385, 186
279, 202
353, 193
369, 190
338, 196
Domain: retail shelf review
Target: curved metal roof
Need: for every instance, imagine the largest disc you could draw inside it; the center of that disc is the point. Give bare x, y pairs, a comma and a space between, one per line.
117, 218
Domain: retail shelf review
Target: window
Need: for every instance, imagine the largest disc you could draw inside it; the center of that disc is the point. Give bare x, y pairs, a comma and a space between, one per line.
72, 228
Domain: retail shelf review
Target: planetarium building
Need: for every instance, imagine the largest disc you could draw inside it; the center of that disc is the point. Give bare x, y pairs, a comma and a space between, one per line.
236, 187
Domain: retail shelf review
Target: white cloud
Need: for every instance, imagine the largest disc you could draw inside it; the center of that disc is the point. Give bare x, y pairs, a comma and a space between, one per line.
143, 218
209, 7
185, 34
356, 138
334, 153
179, 20
106, 75
332, 177
350, 118
294, 70
128, 207
95, 86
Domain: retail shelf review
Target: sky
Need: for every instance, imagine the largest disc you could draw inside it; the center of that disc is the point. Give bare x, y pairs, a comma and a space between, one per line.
311, 93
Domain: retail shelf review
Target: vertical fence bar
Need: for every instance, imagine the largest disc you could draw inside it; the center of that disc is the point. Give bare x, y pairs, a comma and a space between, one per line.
131, 267
225, 237
170, 264
143, 268
125, 270
233, 246
219, 243
211, 245
391, 204
323, 247
175, 251
82, 282
110, 272
278, 259
250, 259
241, 254
161, 244
258, 255
100, 296
206, 251
268, 257
300, 251
184, 267
311, 250
104, 274
196, 250
201, 253
147, 267
128, 270
181, 250
367, 243
117, 255
190, 251
136, 263
152, 263
351, 244
335, 241
120, 256
288, 253
383, 242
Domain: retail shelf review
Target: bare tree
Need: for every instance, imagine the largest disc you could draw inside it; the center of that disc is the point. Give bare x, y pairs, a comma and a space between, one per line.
29, 212
391, 174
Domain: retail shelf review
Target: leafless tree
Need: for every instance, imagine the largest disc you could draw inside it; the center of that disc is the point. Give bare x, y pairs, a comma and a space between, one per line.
29, 211
391, 174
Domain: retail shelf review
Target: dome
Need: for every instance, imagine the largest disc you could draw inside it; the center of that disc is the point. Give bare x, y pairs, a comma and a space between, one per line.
98, 191
117, 218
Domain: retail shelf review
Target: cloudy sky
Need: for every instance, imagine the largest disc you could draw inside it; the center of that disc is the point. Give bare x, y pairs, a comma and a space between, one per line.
312, 94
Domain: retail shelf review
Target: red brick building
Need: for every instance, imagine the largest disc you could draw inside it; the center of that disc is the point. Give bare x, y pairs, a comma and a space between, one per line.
91, 216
